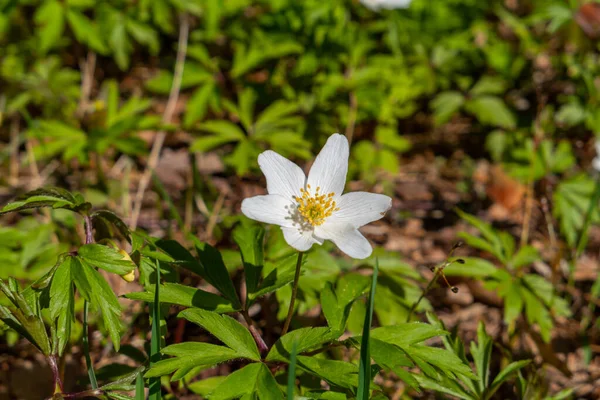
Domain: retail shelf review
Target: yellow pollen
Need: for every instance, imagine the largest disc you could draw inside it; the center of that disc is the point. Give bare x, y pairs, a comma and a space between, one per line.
315, 208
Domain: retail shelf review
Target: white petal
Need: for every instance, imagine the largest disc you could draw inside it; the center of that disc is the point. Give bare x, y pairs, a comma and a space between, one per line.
331, 166
596, 163
300, 240
360, 208
271, 209
283, 176
347, 238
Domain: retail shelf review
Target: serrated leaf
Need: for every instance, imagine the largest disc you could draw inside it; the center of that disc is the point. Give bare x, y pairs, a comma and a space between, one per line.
216, 271
443, 359
86, 31
188, 355
62, 302
174, 293
491, 110
106, 258
280, 275
338, 373
505, 374
473, 267
226, 329
114, 219
250, 241
445, 105
407, 334
50, 19
254, 379
198, 104
96, 290
45, 197
305, 339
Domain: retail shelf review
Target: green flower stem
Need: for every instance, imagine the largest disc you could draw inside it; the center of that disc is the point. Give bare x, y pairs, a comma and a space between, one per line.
86, 347
288, 320
89, 238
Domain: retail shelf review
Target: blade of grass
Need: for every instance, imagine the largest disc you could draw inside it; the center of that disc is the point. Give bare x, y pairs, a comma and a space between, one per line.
139, 387
364, 367
291, 385
154, 383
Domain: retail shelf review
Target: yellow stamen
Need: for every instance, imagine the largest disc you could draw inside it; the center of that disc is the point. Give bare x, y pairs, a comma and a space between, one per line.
315, 208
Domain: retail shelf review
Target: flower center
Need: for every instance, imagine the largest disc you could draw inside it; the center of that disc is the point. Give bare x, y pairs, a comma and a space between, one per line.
315, 208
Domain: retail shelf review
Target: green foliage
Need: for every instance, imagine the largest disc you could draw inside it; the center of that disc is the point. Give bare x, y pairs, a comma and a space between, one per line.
81, 80
521, 292
480, 386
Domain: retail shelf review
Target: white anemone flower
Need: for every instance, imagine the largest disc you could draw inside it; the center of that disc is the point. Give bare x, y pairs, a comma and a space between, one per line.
376, 5
312, 209
596, 160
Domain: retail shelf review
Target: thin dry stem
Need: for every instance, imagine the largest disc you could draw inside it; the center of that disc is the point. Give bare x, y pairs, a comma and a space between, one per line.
14, 152
212, 221
167, 116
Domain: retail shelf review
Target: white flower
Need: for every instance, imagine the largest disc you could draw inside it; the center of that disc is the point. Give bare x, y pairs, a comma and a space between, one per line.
375, 5
311, 210
596, 160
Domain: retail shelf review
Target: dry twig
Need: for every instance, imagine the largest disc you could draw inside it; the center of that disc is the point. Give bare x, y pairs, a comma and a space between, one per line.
167, 116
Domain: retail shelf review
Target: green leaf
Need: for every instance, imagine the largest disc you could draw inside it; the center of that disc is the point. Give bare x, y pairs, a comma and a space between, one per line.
46, 197
338, 373
106, 258
50, 18
491, 110
536, 312
572, 198
443, 359
445, 105
180, 256
431, 384
62, 302
188, 355
174, 293
364, 367
482, 352
392, 358
224, 129
226, 329
513, 303
473, 267
86, 31
407, 334
112, 218
336, 304
489, 85
250, 241
504, 375
291, 384
216, 271
281, 274
97, 291
253, 380
305, 339
197, 105
525, 256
